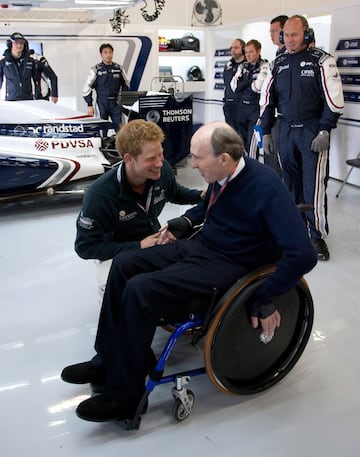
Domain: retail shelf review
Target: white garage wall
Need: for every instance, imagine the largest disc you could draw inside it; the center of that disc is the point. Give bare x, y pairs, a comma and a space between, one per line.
71, 59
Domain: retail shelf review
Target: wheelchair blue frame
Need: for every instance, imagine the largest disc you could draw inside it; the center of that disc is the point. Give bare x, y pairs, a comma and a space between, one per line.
226, 323
157, 377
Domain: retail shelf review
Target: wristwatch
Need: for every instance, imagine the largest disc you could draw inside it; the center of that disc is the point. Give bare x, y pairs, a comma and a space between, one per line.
323, 132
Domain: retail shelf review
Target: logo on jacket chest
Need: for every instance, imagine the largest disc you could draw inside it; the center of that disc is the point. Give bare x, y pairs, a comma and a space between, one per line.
124, 217
281, 68
160, 197
307, 69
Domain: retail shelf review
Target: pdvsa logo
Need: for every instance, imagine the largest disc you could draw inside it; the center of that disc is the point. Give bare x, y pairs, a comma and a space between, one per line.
41, 145
71, 144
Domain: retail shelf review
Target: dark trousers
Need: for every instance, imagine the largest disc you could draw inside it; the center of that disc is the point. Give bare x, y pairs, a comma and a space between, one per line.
144, 286
248, 116
109, 108
231, 114
273, 160
306, 173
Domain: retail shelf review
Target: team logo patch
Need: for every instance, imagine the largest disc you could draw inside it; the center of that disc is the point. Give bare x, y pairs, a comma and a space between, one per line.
309, 72
281, 68
86, 222
123, 217
304, 64
41, 145
160, 197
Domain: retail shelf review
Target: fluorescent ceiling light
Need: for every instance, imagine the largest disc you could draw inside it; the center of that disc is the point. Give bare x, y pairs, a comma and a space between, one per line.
100, 2
74, 8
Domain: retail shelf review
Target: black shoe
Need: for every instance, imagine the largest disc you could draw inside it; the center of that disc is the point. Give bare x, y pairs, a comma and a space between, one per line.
99, 387
321, 248
103, 409
83, 373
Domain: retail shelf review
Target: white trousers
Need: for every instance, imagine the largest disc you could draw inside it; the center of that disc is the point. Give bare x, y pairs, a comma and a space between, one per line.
102, 273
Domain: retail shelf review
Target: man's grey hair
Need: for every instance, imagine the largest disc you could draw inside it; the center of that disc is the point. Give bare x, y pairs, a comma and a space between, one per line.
226, 139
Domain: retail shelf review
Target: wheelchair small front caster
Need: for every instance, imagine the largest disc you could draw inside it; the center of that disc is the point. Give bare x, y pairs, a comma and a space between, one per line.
182, 407
184, 398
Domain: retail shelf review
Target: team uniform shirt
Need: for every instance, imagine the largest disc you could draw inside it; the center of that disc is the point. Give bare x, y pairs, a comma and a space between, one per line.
107, 80
248, 91
305, 87
21, 74
115, 219
251, 80
230, 70
306, 90
44, 83
231, 74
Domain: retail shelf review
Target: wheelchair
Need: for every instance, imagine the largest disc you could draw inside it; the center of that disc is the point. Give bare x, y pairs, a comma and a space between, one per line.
236, 359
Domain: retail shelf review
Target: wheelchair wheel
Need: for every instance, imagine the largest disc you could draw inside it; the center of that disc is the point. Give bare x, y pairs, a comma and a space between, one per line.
236, 360
179, 411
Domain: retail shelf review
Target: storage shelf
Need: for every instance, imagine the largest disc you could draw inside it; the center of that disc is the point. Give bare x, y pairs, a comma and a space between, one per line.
194, 86
181, 54
181, 61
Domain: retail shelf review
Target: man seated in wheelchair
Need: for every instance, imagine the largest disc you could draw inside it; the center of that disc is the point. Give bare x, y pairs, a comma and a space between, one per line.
246, 217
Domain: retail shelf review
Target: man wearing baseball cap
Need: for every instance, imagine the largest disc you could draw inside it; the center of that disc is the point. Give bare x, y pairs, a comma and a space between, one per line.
20, 71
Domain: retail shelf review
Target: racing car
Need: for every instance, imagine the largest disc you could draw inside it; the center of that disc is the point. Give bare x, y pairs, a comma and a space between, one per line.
48, 148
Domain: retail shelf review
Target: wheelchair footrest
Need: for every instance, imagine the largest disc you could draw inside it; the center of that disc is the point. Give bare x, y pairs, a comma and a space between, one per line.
131, 424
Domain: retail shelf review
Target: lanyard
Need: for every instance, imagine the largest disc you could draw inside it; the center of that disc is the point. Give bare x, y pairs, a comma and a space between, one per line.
148, 201
149, 195
212, 200
214, 196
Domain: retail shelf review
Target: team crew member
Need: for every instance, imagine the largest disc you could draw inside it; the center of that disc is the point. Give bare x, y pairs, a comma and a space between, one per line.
248, 90
107, 79
145, 285
306, 90
232, 72
121, 208
276, 27
43, 83
276, 30
20, 71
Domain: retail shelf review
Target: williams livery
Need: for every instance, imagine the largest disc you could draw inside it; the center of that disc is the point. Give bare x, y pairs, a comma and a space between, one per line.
48, 148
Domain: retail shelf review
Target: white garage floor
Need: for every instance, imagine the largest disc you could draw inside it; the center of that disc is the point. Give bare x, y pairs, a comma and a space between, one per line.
49, 311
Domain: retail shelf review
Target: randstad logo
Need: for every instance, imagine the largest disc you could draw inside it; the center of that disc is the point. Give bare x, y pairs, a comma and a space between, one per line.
58, 128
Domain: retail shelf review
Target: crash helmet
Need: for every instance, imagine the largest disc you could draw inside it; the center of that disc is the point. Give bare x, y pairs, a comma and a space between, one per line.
194, 74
